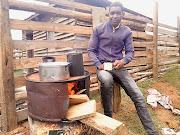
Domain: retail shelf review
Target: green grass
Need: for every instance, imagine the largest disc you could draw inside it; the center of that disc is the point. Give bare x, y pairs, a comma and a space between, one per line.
173, 77
18, 73
96, 97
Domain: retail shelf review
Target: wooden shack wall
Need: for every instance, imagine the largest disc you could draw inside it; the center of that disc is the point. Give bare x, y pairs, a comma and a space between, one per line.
72, 25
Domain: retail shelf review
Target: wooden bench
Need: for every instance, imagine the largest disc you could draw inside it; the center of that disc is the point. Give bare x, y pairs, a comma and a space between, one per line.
116, 98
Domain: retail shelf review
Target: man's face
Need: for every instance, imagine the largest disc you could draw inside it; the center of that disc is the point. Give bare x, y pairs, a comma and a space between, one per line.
115, 16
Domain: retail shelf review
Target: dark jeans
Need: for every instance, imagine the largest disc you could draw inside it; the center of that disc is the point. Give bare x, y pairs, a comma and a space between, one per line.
123, 77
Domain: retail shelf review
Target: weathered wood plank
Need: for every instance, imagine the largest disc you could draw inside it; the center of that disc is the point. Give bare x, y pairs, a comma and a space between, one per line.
141, 61
81, 111
70, 4
19, 81
104, 124
36, 44
162, 31
142, 44
178, 25
142, 35
54, 27
98, 18
77, 99
41, 9
168, 39
33, 62
155, 39
7, 96
167, 26
21, 115
137, 18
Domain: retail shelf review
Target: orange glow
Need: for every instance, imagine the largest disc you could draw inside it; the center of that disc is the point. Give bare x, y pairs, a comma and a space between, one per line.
72, 87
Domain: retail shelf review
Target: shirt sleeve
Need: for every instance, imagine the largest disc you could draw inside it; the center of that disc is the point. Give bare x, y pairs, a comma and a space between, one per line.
129, 49
93, 48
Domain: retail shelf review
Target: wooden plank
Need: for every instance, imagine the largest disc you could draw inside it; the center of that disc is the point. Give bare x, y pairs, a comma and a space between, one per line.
161, 31
168, 39
141, 61
155, 39
19, 81
36, 44
20, 95
33, 62
148, 53
142, 44
7, 96
70, 4
178, 25
168, 58
21, 115
44, 26
142, 35
93, 80
166, 53
172, 61
133, 24
104, 124
137, 18
90, 69
81, 111
41, 9
77, 99
167, 26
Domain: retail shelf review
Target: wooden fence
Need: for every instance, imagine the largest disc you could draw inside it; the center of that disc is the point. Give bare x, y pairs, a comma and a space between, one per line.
69, 31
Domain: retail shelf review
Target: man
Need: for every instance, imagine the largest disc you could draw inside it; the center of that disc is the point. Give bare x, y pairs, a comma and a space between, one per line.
106, 44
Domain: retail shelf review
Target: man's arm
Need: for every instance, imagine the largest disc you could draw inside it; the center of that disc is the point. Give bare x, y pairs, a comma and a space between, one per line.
92, 49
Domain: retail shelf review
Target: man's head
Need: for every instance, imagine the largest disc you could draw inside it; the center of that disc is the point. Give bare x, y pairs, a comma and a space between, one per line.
116, 13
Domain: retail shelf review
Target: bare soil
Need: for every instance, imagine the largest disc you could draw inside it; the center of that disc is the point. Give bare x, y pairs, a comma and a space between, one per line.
166, 116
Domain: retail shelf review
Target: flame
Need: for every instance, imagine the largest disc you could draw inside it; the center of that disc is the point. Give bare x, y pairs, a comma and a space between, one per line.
72, 87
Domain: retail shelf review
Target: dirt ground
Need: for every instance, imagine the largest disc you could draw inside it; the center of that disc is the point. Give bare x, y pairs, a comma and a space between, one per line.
127, 109
166, 116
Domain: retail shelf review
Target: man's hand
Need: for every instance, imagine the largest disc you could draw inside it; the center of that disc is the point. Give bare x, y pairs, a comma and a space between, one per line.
101, 67
118, 64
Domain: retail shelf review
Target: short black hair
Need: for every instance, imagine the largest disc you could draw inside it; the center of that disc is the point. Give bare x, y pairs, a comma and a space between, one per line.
117, 4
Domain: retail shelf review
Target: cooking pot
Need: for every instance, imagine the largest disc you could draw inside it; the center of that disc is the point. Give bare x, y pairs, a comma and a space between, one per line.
48, 59
76, 68
54, 71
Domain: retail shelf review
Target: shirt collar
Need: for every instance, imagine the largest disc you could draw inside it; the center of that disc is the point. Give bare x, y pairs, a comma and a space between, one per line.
113, 27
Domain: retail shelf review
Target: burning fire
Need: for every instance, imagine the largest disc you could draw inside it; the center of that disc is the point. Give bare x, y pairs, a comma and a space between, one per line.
72, 87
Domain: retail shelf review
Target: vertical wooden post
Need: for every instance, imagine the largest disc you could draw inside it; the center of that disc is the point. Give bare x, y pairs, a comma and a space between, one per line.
178, 31
7, 94
30, 53
98, 15
155, 40
50, 36
116, 97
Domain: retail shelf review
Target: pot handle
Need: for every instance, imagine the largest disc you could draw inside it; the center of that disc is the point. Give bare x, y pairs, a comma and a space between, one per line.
67, 67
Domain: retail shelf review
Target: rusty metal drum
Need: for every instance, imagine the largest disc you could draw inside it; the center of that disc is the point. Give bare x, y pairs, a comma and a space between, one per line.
47, 101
